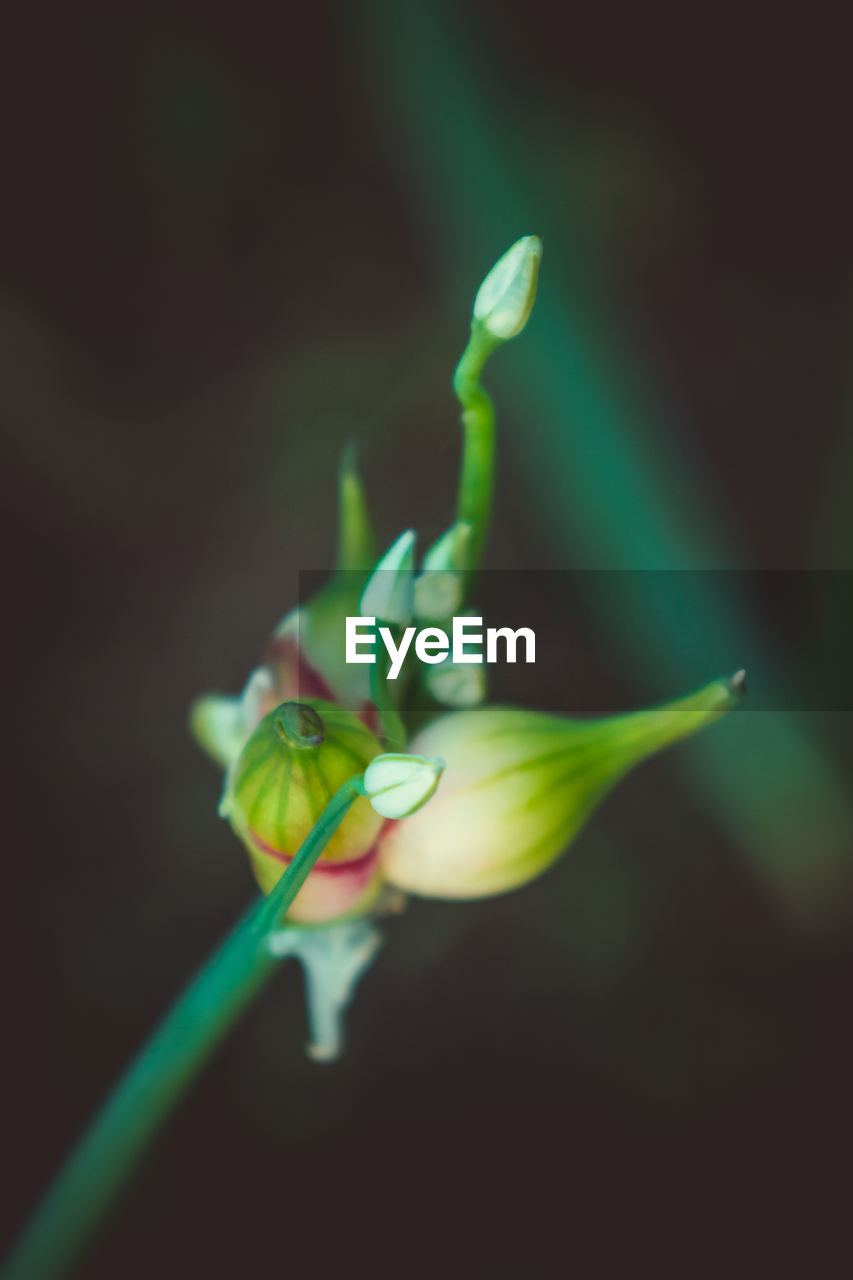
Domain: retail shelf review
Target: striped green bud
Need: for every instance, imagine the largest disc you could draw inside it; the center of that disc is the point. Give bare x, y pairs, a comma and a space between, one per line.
293, 763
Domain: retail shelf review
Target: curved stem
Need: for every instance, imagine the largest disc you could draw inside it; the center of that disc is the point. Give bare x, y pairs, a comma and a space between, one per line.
476, 477
94, 1175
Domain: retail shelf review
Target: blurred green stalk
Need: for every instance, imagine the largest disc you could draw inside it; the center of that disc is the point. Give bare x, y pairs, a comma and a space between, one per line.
88, 1185
608, 500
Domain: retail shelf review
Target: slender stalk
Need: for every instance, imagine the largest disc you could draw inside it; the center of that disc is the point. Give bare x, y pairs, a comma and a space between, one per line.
613, 492
95, 1173
476, 476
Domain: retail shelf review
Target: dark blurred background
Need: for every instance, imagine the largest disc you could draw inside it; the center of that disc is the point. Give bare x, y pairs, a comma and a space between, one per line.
233, 238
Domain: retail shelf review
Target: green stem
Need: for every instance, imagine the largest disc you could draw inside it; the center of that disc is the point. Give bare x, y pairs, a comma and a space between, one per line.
476, 477
94, 1175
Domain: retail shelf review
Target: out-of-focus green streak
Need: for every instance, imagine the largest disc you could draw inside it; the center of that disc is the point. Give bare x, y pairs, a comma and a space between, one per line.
593, 450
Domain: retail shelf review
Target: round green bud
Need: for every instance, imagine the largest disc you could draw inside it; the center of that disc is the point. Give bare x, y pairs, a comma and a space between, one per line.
299, 755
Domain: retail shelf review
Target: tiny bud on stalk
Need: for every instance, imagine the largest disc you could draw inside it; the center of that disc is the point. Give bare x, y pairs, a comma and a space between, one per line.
505, 298
399, 785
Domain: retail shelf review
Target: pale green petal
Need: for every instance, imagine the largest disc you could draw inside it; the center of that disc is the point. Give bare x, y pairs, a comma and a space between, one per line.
216, 723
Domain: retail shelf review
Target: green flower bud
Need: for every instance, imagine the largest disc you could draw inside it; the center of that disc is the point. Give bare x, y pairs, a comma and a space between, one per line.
296, 759
450, 549
438, 595
456, 685
440, 587
221, 725
505, 298
518, 785
390, 592
307, 656
398, 785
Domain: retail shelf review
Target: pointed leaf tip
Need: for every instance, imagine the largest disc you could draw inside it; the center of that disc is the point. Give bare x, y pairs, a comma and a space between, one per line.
390, 590
356, 549
737, 683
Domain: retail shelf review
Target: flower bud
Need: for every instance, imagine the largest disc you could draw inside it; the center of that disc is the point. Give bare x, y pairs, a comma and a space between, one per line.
457, 685
390, 592
399, 785
518, 785
449, 551
440, 587
297, 758
221, 724
505, 298
438, 595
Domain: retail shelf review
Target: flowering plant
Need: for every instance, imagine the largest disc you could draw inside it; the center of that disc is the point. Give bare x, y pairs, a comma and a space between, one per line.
353, 787
517, 785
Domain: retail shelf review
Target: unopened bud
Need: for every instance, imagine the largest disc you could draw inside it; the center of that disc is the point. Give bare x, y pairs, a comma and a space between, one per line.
458, 685
221, 725
284, 777
519, 785
505, 298
399, 785
390, 591
440, 587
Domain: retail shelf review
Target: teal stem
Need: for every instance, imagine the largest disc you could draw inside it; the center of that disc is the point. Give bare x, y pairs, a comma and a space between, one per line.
94, 1175
477, 471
